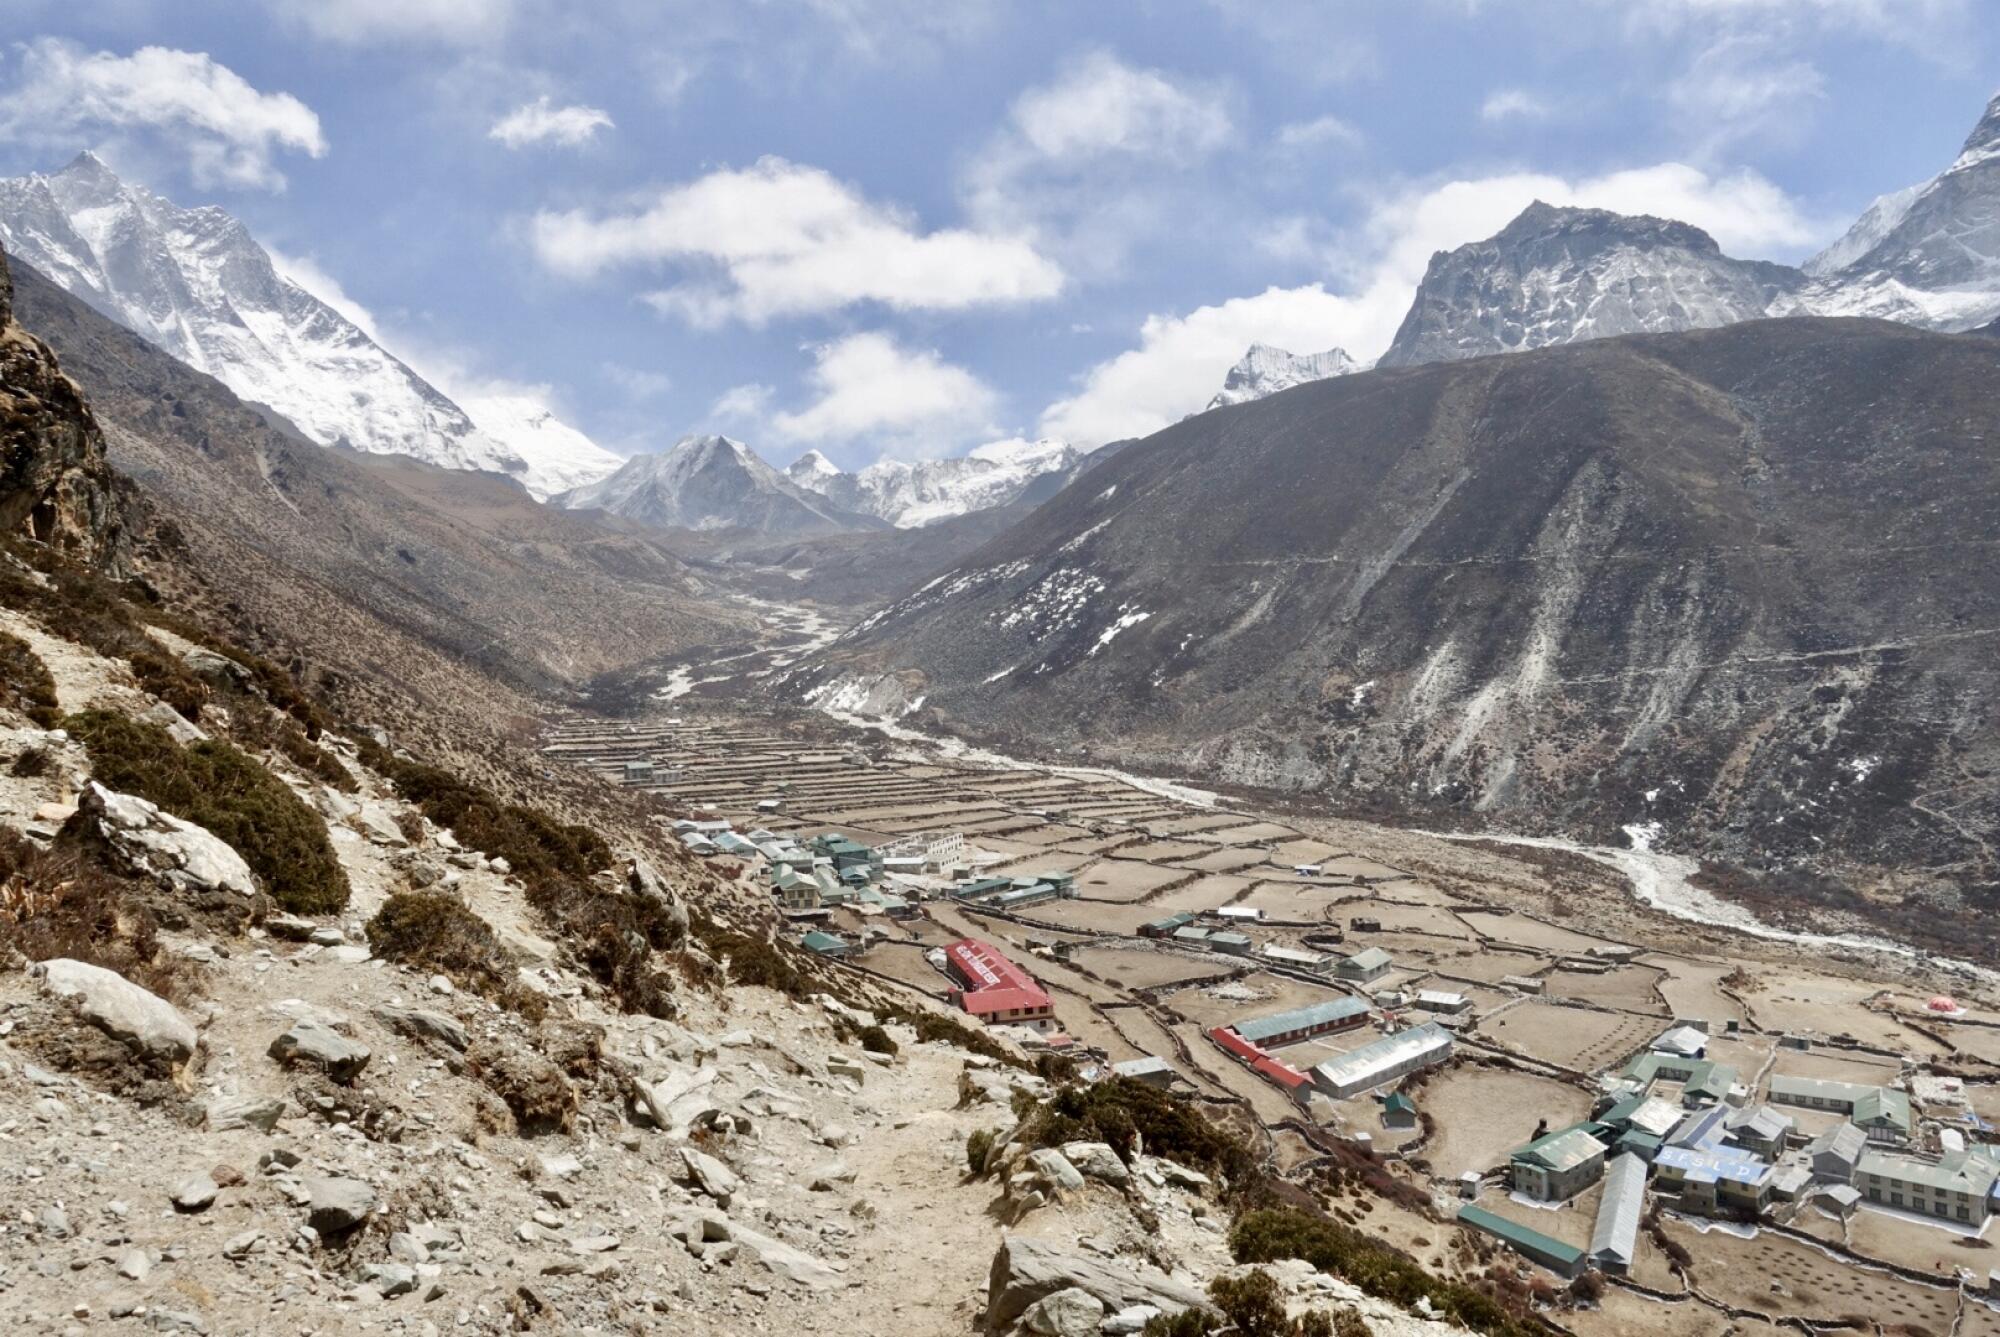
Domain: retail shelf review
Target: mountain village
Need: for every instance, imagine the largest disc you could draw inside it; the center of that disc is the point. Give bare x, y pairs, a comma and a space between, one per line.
1594, 1105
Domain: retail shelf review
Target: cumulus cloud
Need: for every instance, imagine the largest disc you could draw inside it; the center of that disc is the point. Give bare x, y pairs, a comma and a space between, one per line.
1747, 86
783, 239
362, 22
542, 122
637, 382
158, 100
1320, 131
1512, 104
1083, 161
1180, 359
867, 385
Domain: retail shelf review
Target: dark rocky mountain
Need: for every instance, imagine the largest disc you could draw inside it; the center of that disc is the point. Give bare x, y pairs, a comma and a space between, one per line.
55, 484
449, 581
712, 482
1731, 581
1557, 276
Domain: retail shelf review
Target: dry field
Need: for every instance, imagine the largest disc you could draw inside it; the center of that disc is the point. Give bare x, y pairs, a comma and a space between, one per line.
1624, 1313
1489, 966
1693, 989
1521, 931
1833, 1066
1249, 833
1204, 893
1570, 1037
1829, 1005
1395, 917
1225, 861
1092, 916
1629, 989
1778, 1276
1897, 1238
1125, 880
1484, 1113
1275, 993
1301, 902
1137, 969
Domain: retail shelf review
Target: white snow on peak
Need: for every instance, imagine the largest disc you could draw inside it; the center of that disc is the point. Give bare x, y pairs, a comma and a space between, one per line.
197, 284
1265, 370
708, 482
910, 494
557, 456
1877, 221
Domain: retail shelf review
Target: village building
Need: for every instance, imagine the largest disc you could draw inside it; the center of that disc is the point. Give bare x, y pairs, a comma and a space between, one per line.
1165, 928
994, 989
1369, 964
1614, 1239
1714, 1180
1882, 1112
1958, 1187
1836, 1154
1565, 1260
1294, 958
1440, 1000
1150, 1070
1230, 944
1389, 1059
1303, 1023
1399, 1111
1557, 1166
826, 944
1686, 1041
639, 772
1761, 1130
1191, 935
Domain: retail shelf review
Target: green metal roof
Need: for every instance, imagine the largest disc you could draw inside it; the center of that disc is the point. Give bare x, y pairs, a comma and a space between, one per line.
1398, 1103
1562, 1149
1521, 1237
821, 942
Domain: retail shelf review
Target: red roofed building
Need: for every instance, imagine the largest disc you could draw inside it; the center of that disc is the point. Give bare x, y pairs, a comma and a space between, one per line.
994, 989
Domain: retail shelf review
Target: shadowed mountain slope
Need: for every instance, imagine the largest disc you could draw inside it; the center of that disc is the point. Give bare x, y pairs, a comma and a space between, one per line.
1728, 581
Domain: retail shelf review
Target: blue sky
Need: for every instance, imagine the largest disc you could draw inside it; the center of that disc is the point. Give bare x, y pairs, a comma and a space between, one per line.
910, 226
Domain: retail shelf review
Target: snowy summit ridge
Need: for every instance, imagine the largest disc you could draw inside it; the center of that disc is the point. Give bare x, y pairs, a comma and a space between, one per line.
911, 494
1265, 370
197, 284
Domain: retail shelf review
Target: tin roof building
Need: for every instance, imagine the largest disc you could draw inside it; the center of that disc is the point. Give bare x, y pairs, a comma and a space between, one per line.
1382, 1061
1614, 1240
1301, 1023
993, 988
1565, 1260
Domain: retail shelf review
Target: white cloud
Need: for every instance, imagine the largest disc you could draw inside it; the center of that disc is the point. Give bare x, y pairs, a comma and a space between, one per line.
1086, 162
1180, 359
782, 239
1321, 130
637, 382
1100, 105
1746, 86
542, 122
159, 100
748, 403
361, 22
1512, 104
902, 399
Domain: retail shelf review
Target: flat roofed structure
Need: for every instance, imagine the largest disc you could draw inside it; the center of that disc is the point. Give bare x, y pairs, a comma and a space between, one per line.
1565, 1260
1956, 1187
1150, 1070
1882, 1112
1614, 1239
1384, 1060
1301, 1023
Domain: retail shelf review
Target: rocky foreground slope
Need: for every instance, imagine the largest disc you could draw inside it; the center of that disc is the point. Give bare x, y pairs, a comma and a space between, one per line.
1722, 582
300, 1030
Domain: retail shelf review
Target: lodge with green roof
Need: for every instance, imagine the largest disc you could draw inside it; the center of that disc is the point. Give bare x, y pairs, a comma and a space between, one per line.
1565, 1260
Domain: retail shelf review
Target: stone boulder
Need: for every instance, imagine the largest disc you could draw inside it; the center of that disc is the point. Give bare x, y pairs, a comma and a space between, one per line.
121, 1009
335, 1205
1074, 1312
710, 1175
423, 1024
1027, 1271
1055, 1169
158, 844
1096, 1160
309, 1041
644, 883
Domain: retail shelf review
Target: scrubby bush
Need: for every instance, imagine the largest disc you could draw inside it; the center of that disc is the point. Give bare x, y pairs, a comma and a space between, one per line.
216, 786
170, 680
434, 932
978, 1146
1271, 1234
1252, 1304
62, 903
25, 684
1123, 1112
535, 845
877, 1041
934, 1027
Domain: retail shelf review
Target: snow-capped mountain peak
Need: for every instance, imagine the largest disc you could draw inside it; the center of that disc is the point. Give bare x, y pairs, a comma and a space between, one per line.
197, 284
709, 482
1877, 221
913, 493
1265, 370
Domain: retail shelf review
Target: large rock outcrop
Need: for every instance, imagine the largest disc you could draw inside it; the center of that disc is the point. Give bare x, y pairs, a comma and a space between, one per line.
1027, 1271
55, 486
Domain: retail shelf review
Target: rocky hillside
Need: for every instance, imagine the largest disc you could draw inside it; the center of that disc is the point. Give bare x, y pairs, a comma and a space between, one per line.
1557, 276
347, 557
910, 494
55, 486
1721, 582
